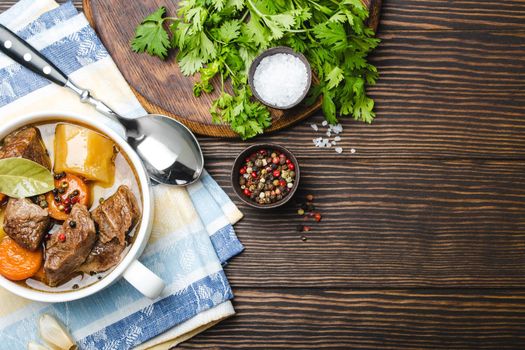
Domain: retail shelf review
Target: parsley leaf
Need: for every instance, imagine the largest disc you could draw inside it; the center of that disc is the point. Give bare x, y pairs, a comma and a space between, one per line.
190, 63
151, 37
332, 34
334, 77
229, 31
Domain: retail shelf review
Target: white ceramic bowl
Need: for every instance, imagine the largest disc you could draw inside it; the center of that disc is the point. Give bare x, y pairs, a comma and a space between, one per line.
129, 267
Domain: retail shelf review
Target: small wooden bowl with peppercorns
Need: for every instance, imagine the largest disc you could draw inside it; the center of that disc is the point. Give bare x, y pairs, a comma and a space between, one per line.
265, 176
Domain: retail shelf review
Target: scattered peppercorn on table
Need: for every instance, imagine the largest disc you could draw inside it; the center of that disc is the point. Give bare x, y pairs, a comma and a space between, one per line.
419, 240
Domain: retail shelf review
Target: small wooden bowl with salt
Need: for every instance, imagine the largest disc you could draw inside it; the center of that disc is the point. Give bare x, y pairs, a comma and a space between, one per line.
280, 77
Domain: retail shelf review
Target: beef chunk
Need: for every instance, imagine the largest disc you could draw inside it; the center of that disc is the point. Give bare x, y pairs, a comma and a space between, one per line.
116, 216
103, 256
64, 256
26, 143
25, 222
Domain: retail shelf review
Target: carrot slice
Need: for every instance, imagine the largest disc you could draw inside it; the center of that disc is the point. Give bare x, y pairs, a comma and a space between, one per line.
16, 262
73, 183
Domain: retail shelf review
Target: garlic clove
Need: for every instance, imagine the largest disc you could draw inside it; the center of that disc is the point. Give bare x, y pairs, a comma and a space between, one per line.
55, 334
35, 346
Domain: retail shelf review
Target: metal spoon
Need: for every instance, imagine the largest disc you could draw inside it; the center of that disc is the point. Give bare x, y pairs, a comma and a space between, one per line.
169, 150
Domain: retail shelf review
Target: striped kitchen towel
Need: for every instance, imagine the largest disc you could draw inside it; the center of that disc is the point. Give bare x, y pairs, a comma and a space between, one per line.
192, 233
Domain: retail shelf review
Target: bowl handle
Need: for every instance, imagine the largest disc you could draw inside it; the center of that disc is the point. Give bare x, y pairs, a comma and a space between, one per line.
145, 281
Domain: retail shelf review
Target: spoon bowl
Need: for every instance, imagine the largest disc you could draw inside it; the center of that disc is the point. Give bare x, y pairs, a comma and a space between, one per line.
170, 152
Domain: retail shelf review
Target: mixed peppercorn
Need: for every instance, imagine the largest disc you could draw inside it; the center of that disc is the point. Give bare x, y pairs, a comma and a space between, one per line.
69, 190
267, 176
65, 204
308, 212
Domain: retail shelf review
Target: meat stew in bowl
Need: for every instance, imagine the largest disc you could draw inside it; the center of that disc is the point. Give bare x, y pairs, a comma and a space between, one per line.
74, 234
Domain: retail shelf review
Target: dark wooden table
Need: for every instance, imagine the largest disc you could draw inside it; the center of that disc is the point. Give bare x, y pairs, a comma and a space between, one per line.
422, 243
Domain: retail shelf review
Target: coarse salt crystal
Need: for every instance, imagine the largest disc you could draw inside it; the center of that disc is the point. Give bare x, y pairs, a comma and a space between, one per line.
337, 129
337, 138
280, 79
328, 133
352, 150
339, 149
314, 126
324, 123
318, 142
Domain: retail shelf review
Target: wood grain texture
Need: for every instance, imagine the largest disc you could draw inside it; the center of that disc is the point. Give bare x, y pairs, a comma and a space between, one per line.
370, 319
156, 82
444, 15
389, 223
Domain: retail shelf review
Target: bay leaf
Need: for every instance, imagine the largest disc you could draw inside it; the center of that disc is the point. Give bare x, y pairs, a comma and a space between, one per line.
20, 178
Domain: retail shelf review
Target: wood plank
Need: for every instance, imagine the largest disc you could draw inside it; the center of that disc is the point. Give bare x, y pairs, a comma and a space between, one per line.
389, 223
440, 94
442, 15
366, 319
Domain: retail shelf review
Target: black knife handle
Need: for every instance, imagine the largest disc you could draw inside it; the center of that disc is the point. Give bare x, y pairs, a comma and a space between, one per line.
26, 55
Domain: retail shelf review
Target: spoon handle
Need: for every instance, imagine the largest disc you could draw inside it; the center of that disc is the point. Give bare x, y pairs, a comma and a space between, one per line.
86, 97
29, 57
23, 53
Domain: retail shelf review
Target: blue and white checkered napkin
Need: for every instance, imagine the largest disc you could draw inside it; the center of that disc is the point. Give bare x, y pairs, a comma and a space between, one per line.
192, 233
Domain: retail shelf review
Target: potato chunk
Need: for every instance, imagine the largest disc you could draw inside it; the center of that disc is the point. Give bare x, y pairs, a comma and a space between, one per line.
84, 152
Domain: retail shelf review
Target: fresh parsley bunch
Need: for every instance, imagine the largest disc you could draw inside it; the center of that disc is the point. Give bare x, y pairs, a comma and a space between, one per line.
220, 38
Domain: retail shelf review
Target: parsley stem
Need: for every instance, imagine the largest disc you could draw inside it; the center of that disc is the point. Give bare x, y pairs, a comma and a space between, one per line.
233, 76
255, 9
214, 38
308, 34
299, 30
245, 15
314, 3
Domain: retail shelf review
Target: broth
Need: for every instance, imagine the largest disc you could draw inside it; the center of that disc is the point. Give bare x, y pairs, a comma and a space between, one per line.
125, 174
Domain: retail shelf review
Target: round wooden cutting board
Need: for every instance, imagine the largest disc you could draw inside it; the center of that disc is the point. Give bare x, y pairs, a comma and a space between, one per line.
159, 85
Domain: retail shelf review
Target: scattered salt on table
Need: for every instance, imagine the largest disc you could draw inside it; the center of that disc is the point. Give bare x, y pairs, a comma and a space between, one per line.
332, 129
280, 79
